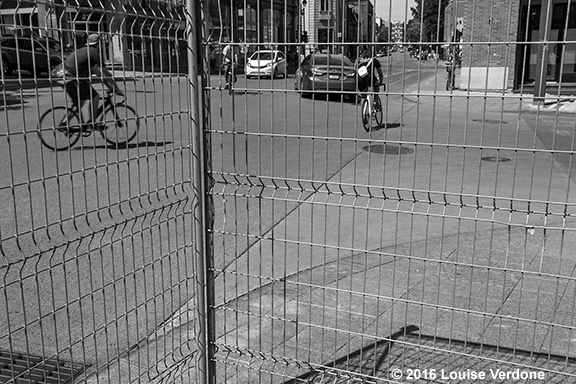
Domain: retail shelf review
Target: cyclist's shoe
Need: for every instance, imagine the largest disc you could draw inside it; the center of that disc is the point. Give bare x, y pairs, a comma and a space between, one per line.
99, 126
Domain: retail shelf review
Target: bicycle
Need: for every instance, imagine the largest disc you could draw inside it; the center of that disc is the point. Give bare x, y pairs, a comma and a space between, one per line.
61, 127
371, 109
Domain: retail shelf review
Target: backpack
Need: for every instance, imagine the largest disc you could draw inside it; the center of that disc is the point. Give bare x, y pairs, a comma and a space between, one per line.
364, 69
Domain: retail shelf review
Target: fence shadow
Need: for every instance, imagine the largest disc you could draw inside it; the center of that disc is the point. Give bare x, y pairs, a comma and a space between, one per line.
417, 351
366, 361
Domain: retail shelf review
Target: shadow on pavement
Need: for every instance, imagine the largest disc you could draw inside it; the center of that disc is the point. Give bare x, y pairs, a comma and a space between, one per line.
366, 361
386, 126
406, 351
13, 101
124, 146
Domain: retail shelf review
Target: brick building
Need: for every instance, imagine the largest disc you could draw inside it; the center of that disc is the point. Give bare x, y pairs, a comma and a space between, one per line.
496, 41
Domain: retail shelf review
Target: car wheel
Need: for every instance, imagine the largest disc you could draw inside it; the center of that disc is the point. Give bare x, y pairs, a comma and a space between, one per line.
6, 67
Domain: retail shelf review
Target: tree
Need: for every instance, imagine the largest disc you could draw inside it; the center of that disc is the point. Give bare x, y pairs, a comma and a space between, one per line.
431, 18
413, 31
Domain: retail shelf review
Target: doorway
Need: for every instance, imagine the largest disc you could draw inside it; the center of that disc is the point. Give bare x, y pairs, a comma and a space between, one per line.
561, 55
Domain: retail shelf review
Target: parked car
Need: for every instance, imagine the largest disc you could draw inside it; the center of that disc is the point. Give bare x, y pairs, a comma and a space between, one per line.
266, 63
33, 53
324, 72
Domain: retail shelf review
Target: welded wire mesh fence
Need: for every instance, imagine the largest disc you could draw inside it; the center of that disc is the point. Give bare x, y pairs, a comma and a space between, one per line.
433, 245
96, 268
430, 240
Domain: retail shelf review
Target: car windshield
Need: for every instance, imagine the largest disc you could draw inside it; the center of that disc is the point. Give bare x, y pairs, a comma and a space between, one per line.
261, 56
330, 61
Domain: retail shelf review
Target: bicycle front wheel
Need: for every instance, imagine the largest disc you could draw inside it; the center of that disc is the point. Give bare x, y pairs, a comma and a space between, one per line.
122, 124
366, 120
378, 113
59, 128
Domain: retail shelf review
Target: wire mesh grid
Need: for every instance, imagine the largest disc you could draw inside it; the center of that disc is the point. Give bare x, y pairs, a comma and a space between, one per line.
96, 237
431, 242
433, 245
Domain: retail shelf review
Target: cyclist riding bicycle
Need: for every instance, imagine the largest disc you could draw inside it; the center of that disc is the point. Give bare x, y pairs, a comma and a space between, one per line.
370, 75
79, 67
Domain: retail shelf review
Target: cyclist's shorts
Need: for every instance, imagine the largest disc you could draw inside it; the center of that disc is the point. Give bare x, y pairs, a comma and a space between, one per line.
363, 85
81, 88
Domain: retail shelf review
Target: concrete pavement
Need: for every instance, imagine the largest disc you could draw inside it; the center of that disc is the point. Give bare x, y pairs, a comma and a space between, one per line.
467, 263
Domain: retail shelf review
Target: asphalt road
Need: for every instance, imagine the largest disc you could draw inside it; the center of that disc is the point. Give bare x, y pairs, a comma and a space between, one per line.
96, 240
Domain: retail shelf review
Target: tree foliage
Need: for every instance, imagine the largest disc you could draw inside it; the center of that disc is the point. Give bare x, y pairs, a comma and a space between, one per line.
427, 23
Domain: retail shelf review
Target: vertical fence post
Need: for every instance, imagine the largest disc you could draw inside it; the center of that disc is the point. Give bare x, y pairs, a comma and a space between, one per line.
201, 205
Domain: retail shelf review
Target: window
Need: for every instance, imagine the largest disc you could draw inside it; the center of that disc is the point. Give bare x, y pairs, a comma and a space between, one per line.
324, 5
24, 44
9, 43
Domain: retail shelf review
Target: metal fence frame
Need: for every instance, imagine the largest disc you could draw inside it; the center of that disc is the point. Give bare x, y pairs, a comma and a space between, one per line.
260, 234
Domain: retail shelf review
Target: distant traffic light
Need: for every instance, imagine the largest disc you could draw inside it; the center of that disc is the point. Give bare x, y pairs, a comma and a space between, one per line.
304, 37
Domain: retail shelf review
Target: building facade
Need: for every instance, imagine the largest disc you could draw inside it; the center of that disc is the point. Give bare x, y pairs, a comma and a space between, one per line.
496, 43
397, 31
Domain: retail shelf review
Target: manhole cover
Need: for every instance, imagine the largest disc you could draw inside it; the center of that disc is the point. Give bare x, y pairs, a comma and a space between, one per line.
490, 121
388, 149
496, 159
23, 368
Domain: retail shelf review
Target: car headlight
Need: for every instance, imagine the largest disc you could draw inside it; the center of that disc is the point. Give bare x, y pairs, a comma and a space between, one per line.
268, 65
316, 72
350, 74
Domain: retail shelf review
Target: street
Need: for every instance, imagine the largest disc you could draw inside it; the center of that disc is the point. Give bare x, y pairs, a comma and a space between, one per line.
95, 239
65, 216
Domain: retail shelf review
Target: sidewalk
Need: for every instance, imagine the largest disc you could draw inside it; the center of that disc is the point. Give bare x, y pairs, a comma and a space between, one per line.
463, 261
432, 91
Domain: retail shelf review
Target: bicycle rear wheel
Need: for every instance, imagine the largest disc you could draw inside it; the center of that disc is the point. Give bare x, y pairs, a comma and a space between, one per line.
378, 113
122, 124
59, 128
366, 120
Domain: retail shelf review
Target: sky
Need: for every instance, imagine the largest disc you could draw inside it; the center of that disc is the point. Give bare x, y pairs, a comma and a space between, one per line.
400, 9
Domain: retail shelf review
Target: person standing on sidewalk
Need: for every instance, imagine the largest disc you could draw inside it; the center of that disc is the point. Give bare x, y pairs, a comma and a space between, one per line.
79, 67
229, 60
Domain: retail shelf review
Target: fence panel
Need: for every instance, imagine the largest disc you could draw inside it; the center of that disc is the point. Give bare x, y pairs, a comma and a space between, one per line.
433, 246
96, 239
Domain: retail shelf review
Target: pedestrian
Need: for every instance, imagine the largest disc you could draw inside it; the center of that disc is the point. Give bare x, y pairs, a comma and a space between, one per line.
79, 68
229, 59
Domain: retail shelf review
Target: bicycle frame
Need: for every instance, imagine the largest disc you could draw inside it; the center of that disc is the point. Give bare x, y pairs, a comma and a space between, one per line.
106, 101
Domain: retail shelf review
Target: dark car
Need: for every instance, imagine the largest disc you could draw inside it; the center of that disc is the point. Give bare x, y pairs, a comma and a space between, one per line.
325, 72
33, 53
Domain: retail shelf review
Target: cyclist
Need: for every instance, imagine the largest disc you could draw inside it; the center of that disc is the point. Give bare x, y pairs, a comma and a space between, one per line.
79, 67
230, 57
370, 75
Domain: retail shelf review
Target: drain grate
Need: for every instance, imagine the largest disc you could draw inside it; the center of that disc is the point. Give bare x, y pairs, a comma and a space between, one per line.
24, 368
388, 149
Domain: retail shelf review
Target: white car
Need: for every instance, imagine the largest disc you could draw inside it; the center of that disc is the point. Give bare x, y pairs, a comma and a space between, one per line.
266, 63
